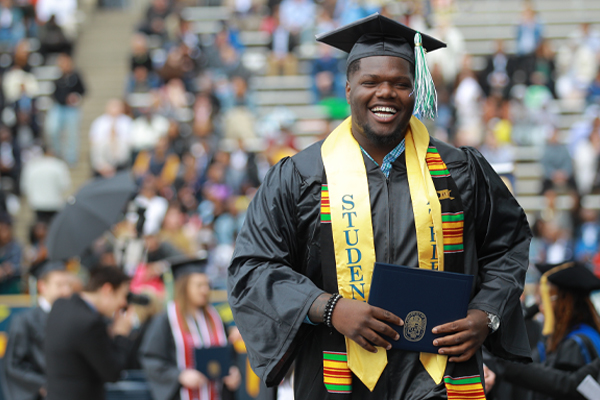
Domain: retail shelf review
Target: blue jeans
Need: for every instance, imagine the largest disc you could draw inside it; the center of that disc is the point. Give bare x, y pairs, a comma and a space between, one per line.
64, 118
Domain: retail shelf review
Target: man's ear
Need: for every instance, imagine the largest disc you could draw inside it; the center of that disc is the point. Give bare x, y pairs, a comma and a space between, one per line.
348, 91
107, 289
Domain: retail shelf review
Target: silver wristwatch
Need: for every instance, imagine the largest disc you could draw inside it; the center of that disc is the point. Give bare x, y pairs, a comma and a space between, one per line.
493, 322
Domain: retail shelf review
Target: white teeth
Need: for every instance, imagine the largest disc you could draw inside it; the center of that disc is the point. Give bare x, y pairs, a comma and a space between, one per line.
384, 109
383, 116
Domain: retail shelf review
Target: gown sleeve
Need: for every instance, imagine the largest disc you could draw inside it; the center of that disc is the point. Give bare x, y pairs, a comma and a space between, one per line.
559, 381
157, 356
268, 295
502, 238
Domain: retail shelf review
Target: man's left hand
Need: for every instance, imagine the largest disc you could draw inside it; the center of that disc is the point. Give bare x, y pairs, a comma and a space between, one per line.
463, 337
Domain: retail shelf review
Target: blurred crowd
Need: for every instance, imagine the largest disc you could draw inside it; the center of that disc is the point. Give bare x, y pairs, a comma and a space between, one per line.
40, 99
190, 127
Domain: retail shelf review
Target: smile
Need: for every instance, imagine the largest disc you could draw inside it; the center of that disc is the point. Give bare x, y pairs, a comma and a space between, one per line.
384, 113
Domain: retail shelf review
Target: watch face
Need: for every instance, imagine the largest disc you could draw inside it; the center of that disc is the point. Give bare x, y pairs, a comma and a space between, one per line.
494, 322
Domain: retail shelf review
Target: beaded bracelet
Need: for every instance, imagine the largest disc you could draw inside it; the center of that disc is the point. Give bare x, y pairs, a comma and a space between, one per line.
328, 312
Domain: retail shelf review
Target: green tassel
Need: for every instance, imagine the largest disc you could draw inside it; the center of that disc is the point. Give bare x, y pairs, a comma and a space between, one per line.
424, 91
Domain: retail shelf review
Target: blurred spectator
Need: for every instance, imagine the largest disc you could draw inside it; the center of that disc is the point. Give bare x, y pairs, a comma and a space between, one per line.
53, 39
587, 238
498, 70
10, 258
177, 144
468, 102
153, 207
65, 12
24, 358
282, 60
554, 244
10, 161
450, 60
557, 165
297, 15
588, 35
146, 130
179, 65
65, 114
25, 127
45, 182
36, 251
173, 98
577, 65
160, 162
175, 231
327, 74
545, 65
529, 34
586, 159
141, 80
140, 56
154, 24
495, 152
17, 82
109, 140
12, 28
593, 92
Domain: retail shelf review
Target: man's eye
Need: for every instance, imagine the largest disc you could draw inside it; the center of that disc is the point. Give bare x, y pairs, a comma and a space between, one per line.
368, 83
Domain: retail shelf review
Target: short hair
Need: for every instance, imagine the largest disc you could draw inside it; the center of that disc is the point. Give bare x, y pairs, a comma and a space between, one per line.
352, 68
99, 276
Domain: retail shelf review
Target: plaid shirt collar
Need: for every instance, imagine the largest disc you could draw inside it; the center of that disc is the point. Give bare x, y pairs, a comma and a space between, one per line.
392, 156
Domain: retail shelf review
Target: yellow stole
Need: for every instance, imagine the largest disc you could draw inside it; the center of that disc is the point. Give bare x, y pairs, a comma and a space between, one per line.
352, 229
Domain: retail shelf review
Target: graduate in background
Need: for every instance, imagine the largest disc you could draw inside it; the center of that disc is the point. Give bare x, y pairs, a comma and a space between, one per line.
572, 326
24, 358
190, 322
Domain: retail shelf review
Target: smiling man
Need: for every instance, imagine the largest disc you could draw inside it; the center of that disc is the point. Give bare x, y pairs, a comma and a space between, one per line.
379, 188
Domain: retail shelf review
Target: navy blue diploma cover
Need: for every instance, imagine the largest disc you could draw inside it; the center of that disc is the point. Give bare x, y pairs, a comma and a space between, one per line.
214, 362
423, 298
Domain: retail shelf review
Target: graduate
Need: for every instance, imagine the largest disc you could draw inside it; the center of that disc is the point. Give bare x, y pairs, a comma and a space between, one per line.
572, 329
190, 322
379, 188
24, 359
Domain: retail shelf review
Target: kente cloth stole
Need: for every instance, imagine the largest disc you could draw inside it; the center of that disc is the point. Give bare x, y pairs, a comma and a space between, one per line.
347, 239
205, 329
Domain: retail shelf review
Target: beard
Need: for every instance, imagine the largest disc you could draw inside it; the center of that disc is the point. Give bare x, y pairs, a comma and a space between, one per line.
384, 140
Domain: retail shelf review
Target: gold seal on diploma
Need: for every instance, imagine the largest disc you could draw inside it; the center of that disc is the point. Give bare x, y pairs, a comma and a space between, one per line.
213, 369
415, 324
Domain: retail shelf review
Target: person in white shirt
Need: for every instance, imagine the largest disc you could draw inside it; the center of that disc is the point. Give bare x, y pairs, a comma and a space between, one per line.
110, 140
45, 181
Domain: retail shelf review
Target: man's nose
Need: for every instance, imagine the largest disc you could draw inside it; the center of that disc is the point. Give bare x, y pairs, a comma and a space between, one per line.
385, 89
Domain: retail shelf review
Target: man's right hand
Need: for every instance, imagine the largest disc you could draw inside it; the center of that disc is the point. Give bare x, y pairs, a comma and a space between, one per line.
365, 324
358, 320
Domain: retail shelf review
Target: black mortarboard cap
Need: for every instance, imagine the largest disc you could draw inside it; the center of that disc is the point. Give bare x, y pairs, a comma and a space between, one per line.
574, 276
181, 266
43, 268
377, 35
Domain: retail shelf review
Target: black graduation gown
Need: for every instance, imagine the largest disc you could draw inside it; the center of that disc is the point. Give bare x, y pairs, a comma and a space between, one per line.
24, 360
275, 274
557, 377
159, 361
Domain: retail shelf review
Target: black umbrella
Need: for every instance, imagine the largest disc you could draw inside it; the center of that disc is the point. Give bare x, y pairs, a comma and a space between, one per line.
95, 208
